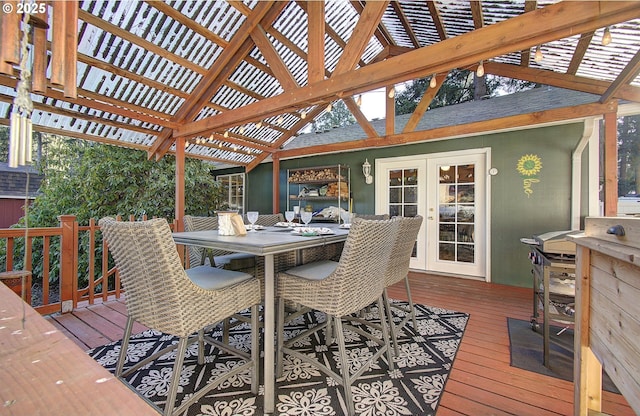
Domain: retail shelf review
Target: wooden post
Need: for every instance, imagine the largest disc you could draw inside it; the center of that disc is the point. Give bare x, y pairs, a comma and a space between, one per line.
610, 165
587, 371
68, 262
390, 110
276, 184
180, 141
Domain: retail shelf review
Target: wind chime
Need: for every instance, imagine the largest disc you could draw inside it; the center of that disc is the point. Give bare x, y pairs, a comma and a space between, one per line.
21, 126
15, 51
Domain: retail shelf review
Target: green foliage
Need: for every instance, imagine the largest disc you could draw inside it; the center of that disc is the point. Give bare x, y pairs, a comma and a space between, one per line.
459, 86
629, 155
92, 180
339, 116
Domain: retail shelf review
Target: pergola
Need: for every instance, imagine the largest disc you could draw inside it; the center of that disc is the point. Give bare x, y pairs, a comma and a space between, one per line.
232, 82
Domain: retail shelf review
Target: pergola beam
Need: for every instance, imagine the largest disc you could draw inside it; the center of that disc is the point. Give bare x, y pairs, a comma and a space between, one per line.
476, 128
571, 82
524, 31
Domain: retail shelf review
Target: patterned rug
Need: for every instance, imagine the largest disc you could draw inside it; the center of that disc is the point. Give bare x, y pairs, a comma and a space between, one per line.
414, 387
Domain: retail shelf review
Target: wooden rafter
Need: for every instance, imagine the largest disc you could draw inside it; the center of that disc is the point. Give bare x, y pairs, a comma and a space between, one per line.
405, 24
578, 54
476, 13
360, 118
99, 102
381, 33
626, 76
361, 35
525, 55
315, 57
437, 19
285, 137
423, 105
167, 10
238, 48
462, 51
81, 116
571, 82
474, 128
279, 68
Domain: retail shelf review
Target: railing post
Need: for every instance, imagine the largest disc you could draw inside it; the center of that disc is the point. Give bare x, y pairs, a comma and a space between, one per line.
68, 262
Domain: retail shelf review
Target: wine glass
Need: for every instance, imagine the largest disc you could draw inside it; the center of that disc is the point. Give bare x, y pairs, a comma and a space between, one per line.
306, 217
346, 217
252, 216
289, 215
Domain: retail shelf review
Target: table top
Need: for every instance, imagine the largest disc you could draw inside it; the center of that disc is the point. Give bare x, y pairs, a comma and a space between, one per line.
42, 372
270, 240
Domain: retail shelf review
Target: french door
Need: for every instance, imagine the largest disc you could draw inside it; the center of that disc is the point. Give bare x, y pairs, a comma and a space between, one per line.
450, 191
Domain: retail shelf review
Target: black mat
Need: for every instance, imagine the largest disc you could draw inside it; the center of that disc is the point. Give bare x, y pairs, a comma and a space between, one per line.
526, 347
414, 387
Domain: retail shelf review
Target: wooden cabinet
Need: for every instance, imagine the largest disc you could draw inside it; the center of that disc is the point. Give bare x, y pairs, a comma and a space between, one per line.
607, 311
319, 187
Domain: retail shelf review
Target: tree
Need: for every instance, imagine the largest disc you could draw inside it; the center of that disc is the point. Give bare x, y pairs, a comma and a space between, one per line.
629, 155
459, 86
92, 180
339, 116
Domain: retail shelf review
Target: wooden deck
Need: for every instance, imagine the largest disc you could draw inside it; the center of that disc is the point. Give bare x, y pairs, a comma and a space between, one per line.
482, 382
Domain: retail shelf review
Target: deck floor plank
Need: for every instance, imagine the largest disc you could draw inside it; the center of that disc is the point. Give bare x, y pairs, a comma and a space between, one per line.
481, 382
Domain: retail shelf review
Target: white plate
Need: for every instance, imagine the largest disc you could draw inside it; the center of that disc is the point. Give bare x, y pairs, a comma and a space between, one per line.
255, 227
310, 231
347, 226
285, 224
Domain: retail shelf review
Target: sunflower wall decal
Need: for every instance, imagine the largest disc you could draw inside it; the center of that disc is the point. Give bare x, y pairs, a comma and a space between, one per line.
529, 166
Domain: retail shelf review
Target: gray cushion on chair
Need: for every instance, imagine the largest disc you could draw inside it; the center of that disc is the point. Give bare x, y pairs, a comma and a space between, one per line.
316, 270
211, 278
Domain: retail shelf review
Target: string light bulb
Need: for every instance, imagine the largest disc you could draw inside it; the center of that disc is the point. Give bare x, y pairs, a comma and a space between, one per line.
259, 124
329, 108
606, 36
359, 100
392, 92
241, 129
303, 114
538, 55
226, 134
433, 83
280, 120
211, 138
480, 70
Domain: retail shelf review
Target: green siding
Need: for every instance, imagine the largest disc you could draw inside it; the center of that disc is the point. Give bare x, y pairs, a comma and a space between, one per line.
513, 213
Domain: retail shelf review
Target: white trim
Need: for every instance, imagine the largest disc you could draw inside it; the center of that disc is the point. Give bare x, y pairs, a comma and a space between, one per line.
576, 171
381, 183
16, 197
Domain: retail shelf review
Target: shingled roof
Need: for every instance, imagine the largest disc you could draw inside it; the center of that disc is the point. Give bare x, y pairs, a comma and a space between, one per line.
13, 181
238, 80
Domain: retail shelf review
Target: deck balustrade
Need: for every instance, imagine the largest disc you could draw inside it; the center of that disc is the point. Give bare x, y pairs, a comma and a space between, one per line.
69, 263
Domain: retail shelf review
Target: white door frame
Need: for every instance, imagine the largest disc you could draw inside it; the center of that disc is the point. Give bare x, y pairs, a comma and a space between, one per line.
382, 167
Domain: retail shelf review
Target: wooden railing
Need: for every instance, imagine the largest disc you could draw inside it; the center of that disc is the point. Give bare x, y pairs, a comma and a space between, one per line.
57, 283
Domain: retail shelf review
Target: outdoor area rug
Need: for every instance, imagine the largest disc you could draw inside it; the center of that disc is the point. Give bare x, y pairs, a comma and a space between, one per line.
414, 387
527, 351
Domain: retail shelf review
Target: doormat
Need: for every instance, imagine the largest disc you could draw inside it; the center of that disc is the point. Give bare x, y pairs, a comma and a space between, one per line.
526, 346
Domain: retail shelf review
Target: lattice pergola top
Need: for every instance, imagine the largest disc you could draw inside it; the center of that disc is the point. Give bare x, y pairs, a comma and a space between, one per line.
239, 80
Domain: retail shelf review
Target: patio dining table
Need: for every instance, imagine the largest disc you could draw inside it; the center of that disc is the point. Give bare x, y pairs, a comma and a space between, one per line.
266, 243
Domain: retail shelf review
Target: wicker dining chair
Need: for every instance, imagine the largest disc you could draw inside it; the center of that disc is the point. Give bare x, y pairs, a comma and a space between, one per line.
218, 258
340, 289
371, 216
164, 296
397, 269
267, 220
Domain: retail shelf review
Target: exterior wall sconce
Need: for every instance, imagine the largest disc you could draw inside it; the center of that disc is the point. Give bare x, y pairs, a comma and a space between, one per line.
366, 170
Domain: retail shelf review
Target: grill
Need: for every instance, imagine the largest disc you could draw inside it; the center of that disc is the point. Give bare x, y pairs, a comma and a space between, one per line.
553, 258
